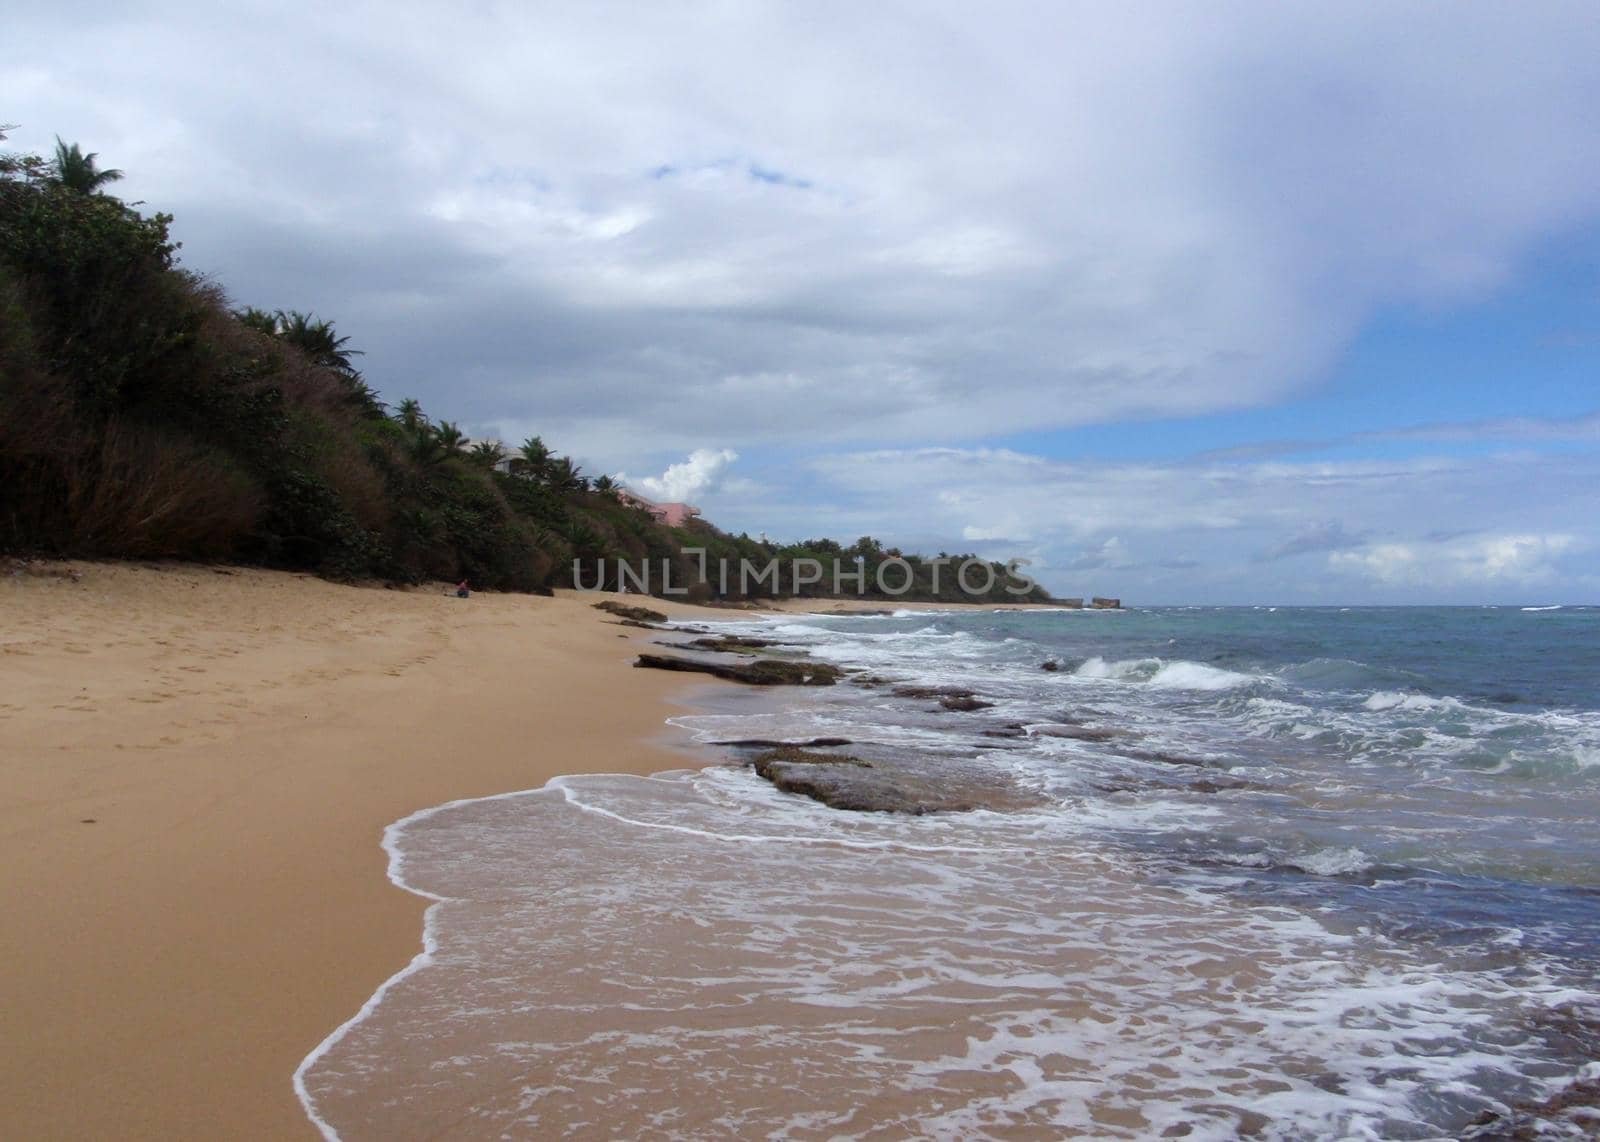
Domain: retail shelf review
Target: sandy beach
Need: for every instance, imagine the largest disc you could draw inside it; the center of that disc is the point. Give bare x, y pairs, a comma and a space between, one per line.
196, 766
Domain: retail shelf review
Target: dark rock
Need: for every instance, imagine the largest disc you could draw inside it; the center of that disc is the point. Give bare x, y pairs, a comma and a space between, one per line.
735, 644
950, 697
1052, 666
1014, 730
1100, 604
1528, 1121
1219, 785
624, 611
930, 692
773, 743
1164, 758
767, 763
767, 672
637, 623
915, 786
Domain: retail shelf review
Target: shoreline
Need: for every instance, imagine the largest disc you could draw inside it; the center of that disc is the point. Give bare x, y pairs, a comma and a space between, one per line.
198, 767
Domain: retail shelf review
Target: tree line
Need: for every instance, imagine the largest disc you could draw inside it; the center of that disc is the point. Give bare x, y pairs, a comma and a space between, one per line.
142, 415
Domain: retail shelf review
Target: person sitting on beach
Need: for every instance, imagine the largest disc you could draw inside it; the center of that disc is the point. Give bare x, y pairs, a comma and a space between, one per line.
461, 590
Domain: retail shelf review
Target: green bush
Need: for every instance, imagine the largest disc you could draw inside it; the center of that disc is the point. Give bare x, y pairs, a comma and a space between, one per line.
141, 416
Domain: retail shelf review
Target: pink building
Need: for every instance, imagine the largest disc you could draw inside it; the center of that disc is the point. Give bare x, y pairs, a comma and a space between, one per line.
673, 515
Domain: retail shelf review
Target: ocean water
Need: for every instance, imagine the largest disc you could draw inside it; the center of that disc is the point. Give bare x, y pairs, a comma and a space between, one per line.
1332, 873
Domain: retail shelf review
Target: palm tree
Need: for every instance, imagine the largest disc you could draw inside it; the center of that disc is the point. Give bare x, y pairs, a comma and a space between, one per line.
607, 487
77, 171
489, 453
317, 340
533, 458
411, 418
426, 448
565, 476
364, 396
258, 319
451, 439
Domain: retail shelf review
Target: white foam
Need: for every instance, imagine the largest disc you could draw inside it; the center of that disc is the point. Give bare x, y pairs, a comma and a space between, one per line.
1198, 676
1067, 980
1400, 700
1334, 861
1164, 675
990, 926
1097, 667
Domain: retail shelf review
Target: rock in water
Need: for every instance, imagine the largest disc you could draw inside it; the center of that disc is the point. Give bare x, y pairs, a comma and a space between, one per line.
766, 672
963, 703
913, 784
734, 644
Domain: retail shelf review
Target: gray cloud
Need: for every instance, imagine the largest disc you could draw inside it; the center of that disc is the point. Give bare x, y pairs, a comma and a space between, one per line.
1445, 530
1328, 535
850, 232
742, 226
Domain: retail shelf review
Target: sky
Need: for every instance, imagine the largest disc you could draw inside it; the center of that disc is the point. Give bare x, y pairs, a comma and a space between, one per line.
1220, 303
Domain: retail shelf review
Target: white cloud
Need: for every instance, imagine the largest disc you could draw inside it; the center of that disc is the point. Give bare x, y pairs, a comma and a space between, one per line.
1486, 561
976, 534
1112, 554
1409, 529
801, 229
689, 480
897, 224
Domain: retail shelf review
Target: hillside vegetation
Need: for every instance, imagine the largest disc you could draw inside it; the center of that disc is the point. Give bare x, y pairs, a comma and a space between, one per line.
143, 416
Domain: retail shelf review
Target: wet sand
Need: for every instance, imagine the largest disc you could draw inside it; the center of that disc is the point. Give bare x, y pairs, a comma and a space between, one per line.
196, 767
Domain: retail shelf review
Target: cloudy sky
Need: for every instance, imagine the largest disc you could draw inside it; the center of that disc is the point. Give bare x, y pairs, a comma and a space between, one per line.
1185, 302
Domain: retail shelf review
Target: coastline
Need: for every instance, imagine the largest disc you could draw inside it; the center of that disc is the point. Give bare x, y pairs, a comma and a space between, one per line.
205, 774
198, 766
845, 605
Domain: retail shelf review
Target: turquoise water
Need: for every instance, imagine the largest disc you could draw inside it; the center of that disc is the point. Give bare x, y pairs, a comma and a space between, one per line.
1447, 758
1287, 873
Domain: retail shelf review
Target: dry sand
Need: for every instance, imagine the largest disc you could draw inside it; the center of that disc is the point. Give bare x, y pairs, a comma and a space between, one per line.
196, 766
